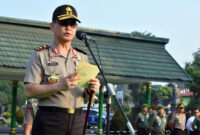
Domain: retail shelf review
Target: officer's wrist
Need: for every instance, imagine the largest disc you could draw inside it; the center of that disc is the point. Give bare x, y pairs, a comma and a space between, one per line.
62, 87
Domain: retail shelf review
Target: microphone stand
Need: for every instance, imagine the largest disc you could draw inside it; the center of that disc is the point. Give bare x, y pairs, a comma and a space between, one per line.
108, 112
110, 90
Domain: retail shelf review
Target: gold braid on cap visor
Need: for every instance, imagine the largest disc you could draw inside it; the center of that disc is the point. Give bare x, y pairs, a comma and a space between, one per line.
66, 16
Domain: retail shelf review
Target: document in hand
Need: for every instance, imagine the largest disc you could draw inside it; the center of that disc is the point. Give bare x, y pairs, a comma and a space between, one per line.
87, 72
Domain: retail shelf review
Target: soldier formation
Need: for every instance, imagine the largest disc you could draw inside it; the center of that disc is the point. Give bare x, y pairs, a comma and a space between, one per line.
157, 122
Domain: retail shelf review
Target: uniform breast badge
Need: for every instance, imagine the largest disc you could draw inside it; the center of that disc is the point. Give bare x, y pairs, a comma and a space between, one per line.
76, 63
53, 79
78, 57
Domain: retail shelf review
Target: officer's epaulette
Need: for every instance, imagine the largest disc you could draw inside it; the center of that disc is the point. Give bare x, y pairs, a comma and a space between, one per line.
42, 47
79, 50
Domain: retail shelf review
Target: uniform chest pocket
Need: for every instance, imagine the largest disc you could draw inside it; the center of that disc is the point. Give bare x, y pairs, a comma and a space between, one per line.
52, 70
49, 70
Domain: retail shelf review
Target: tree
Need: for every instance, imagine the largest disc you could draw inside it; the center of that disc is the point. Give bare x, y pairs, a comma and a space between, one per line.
193, 69
118, 121
6, 91
164, 93
3, 98
21, 98
137, 93
127, 97
20, 115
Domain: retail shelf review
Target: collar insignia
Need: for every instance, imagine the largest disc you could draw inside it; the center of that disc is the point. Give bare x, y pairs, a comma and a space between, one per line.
56, 51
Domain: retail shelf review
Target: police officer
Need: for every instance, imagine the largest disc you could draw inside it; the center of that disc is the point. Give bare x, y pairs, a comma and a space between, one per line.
141, 121
51, 76
158, 122
169, 119
178, 121
196, 123
29, 115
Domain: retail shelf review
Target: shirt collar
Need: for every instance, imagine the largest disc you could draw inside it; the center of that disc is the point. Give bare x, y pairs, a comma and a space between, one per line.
56, 51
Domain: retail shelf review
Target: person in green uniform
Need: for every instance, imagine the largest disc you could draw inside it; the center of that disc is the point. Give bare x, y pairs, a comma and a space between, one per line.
196, 124
153, 107
158, 122
141, 121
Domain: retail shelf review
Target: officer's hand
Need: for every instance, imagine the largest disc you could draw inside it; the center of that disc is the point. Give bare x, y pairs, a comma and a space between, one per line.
93, 85
69, 82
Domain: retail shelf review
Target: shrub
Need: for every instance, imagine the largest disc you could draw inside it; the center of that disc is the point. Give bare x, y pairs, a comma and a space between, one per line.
20, 115
118, 122
7, 115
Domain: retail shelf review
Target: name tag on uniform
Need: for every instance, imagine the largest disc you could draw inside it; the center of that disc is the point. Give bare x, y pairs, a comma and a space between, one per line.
52, 64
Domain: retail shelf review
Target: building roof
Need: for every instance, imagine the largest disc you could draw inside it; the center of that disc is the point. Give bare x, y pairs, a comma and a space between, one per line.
126, 58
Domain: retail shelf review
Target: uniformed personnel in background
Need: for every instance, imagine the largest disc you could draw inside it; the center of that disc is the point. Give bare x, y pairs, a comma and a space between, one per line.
51, 77
154, 111
178, 121
169, 119
196, 124
158, 122
141, 121
29, 115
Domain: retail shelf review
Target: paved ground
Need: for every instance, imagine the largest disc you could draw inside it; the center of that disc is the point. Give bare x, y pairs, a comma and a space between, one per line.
4, 130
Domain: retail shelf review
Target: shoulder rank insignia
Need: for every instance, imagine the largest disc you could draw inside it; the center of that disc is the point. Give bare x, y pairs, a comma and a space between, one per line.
42, 47
79, 50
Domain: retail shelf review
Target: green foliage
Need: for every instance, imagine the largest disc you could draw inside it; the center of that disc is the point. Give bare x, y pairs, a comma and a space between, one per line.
21, 98
193, 69
137, 93
3, 98
6, 87
143, 34
162, 93
7, 115
127, 97
6, 93
20, 115
118, 122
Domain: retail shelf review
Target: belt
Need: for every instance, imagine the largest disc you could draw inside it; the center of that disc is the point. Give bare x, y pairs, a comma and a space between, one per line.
60, 110
179, 129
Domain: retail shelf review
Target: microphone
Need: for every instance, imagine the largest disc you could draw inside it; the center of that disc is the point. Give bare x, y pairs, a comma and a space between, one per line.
81, 35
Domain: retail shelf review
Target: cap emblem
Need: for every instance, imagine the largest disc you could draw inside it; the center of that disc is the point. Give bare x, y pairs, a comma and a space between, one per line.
69, 11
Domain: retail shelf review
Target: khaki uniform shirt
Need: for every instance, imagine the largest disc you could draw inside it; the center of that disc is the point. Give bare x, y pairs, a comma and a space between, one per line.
179, 121
46, 62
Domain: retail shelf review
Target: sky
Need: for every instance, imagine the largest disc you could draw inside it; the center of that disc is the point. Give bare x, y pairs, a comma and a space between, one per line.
177, 20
